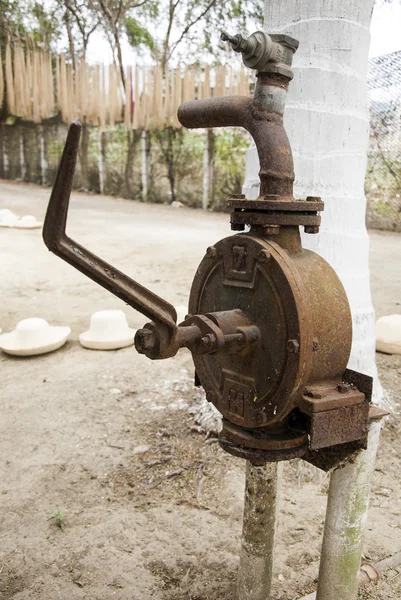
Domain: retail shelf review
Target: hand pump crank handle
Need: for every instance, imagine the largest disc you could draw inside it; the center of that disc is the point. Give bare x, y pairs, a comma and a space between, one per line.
55, 238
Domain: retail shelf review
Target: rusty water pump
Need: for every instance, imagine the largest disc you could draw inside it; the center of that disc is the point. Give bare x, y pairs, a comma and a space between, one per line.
269, 324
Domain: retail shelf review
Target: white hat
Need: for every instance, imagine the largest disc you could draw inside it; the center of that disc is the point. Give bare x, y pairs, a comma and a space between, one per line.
108, 330
28, 222
8, 218
33, 336
388, 334
4, 212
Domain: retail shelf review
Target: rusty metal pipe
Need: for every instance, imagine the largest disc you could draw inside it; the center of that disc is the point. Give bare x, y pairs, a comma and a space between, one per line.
262, 116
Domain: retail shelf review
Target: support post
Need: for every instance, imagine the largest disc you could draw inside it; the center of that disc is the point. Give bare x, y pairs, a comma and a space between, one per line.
260, 509
208, 159
43, 159
101, 159
344, 528
22, 156
145, 164
5, 152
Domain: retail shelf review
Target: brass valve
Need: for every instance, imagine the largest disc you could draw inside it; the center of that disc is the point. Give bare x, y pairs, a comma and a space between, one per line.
268, 325
263, 52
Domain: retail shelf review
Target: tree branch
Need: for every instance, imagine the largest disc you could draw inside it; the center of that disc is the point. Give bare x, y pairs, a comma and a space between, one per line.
191, 24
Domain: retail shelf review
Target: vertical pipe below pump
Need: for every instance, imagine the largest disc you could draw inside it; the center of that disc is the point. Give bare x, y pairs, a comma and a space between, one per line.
260, 509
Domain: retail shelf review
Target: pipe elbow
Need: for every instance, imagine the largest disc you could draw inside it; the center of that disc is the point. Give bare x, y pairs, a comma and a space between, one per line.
227, 111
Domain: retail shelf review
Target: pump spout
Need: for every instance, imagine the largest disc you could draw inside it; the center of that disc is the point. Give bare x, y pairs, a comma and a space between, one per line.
262, 115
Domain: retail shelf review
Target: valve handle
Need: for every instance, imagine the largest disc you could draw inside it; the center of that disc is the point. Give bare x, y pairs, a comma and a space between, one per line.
55, 238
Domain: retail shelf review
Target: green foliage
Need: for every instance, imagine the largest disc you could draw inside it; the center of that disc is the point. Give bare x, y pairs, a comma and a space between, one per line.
137, 35
28, 18
231, 146
58, 518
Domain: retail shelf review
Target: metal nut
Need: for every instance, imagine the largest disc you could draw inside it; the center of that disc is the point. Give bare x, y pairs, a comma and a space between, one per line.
313, 199
145, 339
211, 252
263, 256
208, 340
343, 388
293, 346
237, 227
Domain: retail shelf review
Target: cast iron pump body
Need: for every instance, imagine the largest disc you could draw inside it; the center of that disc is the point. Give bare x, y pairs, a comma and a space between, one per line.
268, 324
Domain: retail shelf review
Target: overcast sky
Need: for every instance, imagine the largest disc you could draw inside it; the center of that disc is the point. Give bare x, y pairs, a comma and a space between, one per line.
385, 31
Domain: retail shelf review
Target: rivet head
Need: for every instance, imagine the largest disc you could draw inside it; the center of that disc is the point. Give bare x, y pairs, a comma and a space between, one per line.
263, 256
211, 252
293, 346
315, 344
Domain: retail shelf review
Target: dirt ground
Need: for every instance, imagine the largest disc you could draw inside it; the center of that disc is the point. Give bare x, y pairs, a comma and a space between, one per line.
151, 507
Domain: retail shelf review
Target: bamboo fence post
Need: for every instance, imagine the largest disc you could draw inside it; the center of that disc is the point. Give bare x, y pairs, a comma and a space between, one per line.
145, 164
43, 159
260, 509
4, 151
208, 160
345, 523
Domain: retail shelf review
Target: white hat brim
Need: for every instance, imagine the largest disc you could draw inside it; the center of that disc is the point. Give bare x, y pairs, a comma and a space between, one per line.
92, 342
52, 339
388, 347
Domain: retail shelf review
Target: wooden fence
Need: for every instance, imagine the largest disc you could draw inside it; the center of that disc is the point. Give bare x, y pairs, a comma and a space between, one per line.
39, 85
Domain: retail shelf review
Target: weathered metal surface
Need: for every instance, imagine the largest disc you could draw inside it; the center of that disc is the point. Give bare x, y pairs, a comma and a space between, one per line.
339, 425
275, 203
269, 324
264, 52
264, 125
247, 217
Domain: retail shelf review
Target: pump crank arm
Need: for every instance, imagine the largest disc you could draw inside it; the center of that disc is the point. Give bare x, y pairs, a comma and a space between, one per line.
57, 241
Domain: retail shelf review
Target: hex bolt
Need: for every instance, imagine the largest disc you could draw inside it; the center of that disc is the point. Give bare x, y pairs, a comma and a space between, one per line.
343, 388
293, 346
311, 228
237, 227
145, 339
263, 256
208, 340
211, 252
238, 196
313, 199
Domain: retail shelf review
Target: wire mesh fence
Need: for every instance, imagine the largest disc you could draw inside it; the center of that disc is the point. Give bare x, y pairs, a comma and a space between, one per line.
383, 178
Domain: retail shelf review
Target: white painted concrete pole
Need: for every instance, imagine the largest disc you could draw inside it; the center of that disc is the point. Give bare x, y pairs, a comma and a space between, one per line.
260, 509
327, 122
346, 516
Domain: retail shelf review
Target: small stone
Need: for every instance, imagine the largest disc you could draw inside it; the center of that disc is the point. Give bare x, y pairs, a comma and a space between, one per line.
115, 391
140, 449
